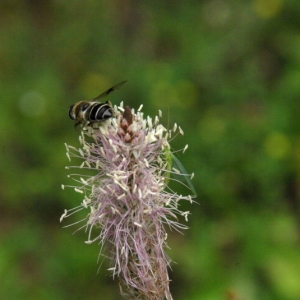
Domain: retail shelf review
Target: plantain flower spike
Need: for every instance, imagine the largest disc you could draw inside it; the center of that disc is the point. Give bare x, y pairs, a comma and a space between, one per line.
128, 199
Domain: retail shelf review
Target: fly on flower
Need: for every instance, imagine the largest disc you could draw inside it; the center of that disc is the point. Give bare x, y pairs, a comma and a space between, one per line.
127, 194
87, 113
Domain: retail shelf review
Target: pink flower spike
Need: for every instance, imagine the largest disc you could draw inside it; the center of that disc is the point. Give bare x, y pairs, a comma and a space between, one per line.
129, 200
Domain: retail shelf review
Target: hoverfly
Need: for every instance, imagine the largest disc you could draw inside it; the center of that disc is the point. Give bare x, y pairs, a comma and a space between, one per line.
86, 113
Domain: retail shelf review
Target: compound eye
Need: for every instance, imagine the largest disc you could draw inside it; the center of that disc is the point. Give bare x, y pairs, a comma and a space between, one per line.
71, 113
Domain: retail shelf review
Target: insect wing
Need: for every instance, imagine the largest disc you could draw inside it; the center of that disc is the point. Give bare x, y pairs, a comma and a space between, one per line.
112, 89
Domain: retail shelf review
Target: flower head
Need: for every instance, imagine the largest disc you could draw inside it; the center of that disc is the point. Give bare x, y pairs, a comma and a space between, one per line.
129, 200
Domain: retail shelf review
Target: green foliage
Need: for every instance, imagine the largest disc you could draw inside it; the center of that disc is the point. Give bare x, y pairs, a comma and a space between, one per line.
226, 71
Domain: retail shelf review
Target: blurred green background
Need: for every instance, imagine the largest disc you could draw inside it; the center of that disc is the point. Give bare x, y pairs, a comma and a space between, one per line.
228, 72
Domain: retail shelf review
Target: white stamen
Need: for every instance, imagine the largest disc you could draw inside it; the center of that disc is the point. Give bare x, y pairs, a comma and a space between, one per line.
148, 211
68, 156
73, 148
116, 158
146, 162
92, 210
137, 224
121, 107
178, 199
121, 196
168, 202
175, 127
117, 211
63, 215
140, 108
185, 214
150, 138
97, 164
81, 152
112, 190
181, 131
122, 250
151, 193
121, 185
102, 151
160, 113
184, 149
176, 171
149, 121
140, 194
87, 149
103, 130
113, 146
136, 153
87, 200
84, 204
84, 181
192, 175
167, 136
102, 190
62, 186
146, 192
78, 190
134, 188
114, 122
159, 132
